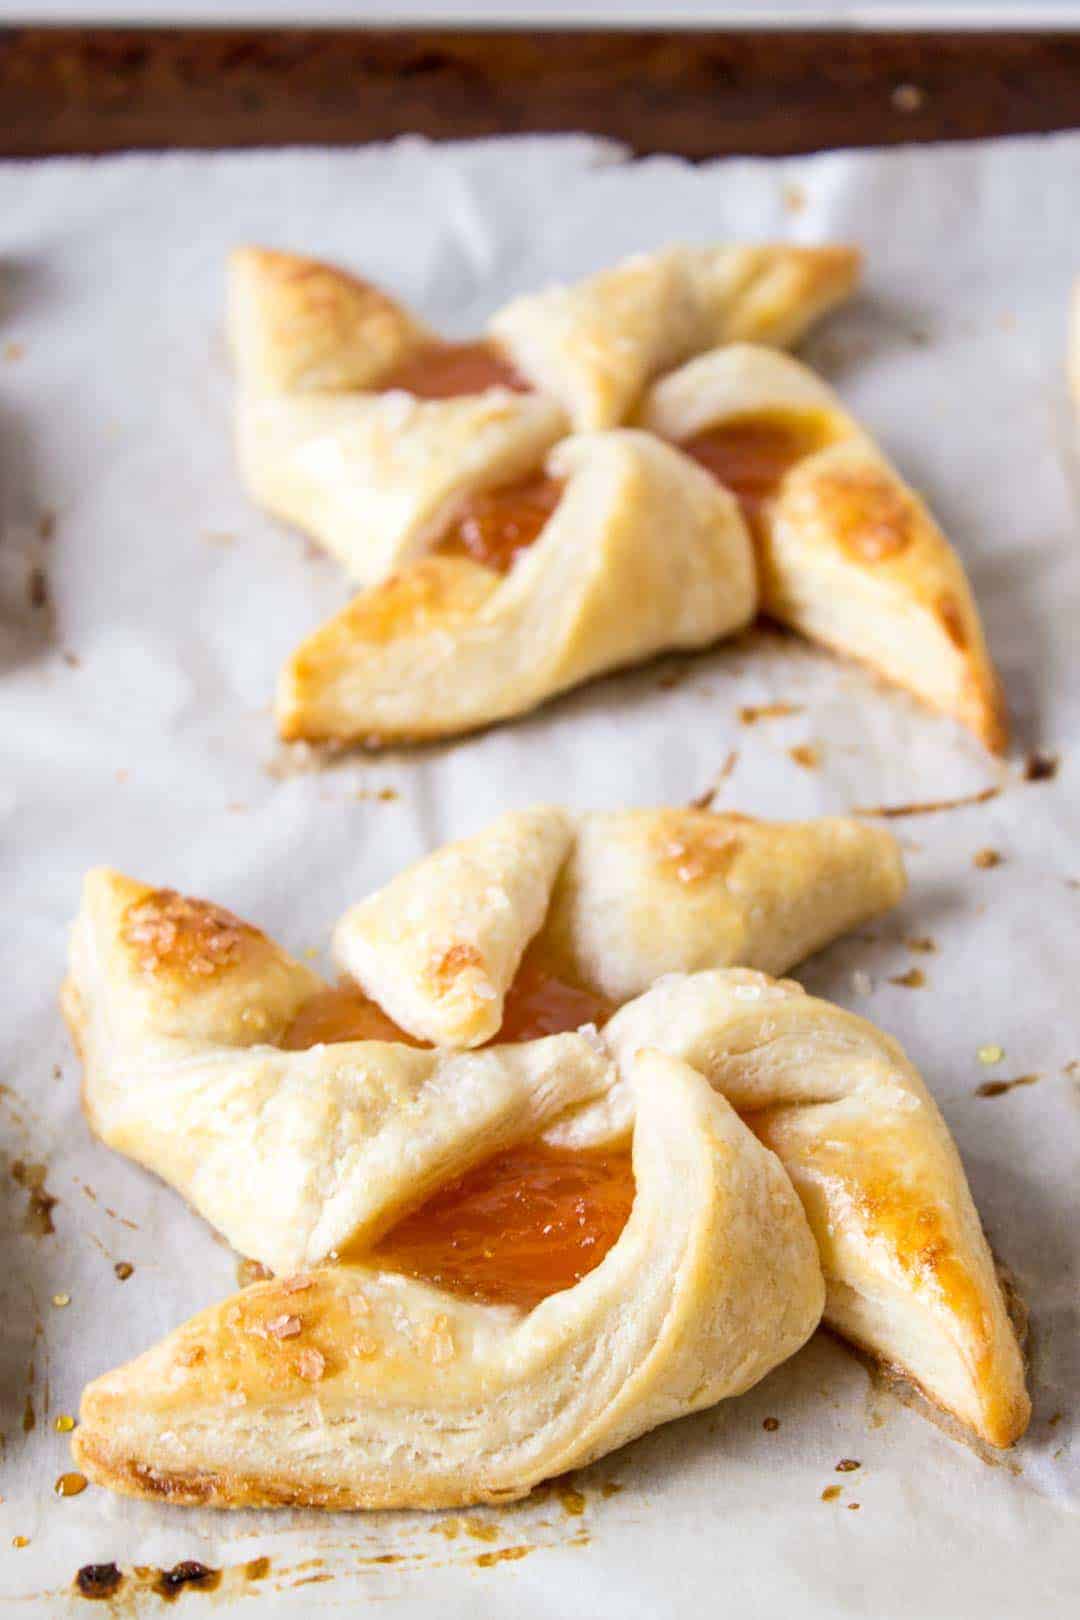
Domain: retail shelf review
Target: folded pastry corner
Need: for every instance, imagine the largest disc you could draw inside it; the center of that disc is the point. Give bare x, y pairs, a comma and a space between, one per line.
908, 1271
296, 325
378, 479
440, 945
152, 965
649, 892
596, 344
774, 293
356, 1387
641, 552
848, 554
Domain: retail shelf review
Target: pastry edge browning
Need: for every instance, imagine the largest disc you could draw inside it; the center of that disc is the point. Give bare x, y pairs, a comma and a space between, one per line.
1006, 1410
793, 288
882, 1182
849, 554
299, 325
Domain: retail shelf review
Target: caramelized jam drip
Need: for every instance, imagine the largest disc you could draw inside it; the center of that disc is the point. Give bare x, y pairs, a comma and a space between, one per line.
448, 370
495, 527
751, 455
521, 1226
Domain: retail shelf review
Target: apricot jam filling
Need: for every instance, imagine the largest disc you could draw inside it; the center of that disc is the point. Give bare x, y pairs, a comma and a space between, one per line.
342, 1013
525, 1224
448, 370
496, 526
750, 455
537, 1003
540, 1003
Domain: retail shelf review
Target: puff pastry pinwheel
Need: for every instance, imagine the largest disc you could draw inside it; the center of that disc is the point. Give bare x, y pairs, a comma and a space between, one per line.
848, 553
361, 427
504, 1255
636, 551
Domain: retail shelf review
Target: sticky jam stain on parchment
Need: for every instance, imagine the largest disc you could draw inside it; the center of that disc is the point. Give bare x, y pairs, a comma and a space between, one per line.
555, 1514
127, 1591
37, 1218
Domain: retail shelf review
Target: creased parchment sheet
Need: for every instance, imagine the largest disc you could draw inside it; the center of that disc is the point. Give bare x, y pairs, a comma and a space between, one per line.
147, 607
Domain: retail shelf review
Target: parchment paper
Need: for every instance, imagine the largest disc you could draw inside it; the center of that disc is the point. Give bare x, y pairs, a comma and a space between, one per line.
136, 731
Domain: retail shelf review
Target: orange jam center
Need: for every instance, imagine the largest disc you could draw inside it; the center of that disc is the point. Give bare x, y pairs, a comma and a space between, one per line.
526, 1223
752, 454
537, 1003
495, 527
447, 370
521, 1226
342, 1014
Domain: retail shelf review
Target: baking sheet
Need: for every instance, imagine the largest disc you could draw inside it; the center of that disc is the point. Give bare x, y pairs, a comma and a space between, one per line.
144, 609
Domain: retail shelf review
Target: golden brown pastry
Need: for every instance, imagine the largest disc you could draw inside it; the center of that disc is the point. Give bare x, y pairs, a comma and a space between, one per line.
638, 553
361, 427
515, 1294
848, 553
358, 1386
908, 1272
188, 1020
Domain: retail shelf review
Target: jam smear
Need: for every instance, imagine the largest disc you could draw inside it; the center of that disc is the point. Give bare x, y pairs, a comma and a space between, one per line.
750, 455
449, 370
495, 527
525, 1224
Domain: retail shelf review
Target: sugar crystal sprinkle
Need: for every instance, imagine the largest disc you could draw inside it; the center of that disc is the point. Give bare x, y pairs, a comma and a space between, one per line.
991, 1054
284, 1327
60, 1300
311, 1364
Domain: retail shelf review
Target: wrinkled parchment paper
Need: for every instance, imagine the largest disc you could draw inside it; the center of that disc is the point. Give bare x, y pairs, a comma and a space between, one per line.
146, 608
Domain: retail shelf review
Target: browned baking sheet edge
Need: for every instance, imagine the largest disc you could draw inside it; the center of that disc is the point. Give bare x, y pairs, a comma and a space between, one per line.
66, 90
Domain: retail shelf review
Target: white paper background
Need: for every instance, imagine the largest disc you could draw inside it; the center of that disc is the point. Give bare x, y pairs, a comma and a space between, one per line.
155, 753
